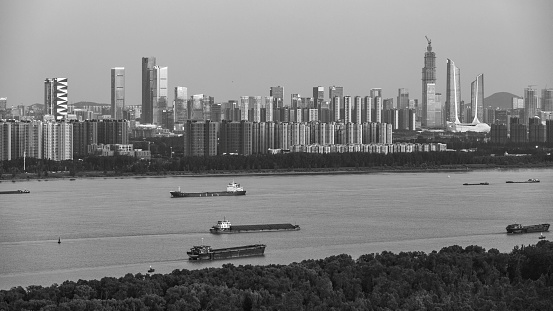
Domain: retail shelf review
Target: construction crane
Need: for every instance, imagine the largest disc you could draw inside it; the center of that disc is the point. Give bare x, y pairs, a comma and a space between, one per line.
531, 86
429, 41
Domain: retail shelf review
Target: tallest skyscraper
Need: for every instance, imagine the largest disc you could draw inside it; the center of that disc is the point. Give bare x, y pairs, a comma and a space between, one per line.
430, 109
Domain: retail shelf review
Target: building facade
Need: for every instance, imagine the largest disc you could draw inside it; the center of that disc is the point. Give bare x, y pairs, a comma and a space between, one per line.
428, 87
117, 92
55, 97
477, 98
148, 84
453, 93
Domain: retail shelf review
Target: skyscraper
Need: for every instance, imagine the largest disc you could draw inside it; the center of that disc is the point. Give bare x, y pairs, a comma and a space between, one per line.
181, 111
277, 93
402, 98
348, 106
547, 100
55, 97
159, 94
428, 83
335, 91
477, 98
318, 96
453, 93
530, 104
148, 64
117, 92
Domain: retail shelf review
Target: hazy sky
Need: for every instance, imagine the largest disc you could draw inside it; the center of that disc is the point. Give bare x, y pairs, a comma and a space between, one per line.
230, 48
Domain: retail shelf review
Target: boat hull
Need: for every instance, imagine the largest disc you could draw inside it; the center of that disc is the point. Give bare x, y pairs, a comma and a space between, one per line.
179, 194
231, 252
255, 228
14, 192
527, 229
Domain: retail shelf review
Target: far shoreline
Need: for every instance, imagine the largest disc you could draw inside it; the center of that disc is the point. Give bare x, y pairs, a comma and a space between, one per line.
284, 172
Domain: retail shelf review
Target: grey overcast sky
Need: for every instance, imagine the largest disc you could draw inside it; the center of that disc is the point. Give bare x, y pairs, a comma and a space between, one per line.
230, 48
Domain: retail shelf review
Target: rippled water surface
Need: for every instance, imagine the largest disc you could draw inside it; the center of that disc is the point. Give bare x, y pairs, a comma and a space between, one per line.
110, 227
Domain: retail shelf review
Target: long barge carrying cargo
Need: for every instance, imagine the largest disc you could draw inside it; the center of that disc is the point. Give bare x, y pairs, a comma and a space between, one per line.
529, 181
15, 191
205, 252
224, 226
232, 190
518, 228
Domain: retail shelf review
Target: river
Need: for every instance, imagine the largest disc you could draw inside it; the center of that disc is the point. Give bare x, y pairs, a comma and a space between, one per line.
114, 226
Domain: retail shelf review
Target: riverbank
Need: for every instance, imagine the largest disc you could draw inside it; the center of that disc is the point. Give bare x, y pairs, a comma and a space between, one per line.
311, 171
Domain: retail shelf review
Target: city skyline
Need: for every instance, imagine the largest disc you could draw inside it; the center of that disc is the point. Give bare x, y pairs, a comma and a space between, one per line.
281, 51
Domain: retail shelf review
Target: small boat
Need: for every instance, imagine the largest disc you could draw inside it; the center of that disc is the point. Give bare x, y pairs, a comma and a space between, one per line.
59, 240
541, 236
529, 181
476, 184
151, 270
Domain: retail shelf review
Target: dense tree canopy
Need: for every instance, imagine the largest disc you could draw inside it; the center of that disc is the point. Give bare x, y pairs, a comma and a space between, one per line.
454, 278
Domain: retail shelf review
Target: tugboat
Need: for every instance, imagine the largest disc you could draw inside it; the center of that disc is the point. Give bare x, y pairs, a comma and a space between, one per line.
232, 189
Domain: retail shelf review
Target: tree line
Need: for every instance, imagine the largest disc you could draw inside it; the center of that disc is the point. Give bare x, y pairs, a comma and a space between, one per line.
486, 155
454, 278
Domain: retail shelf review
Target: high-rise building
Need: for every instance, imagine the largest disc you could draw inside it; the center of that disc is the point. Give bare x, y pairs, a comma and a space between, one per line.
200, 138
295, 101
196, 107
277, 92
181, 107
546, 99
402, 98
269, 107
376, 92
3, 103
335, 91
358, 110
148, 64
477, 98
57, 140
55, 97
244, 108
117, 92
428, 84
530, 104
348, 106
378, 107
453, 93
318, 96
159, 94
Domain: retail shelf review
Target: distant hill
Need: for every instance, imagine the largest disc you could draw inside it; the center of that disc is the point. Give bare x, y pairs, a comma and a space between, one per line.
83, 104
501, 100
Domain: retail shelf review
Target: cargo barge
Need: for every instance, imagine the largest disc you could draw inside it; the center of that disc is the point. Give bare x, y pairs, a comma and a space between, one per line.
224, 226
476, 184
15, 191
232, 190
529, 181
518, 228
205, 252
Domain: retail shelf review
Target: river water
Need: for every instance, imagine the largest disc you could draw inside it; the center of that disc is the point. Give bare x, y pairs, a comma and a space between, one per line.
114, 226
